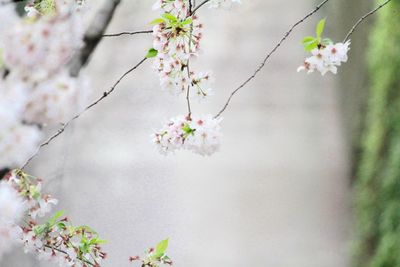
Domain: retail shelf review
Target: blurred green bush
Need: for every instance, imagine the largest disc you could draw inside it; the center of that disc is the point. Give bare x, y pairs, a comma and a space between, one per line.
377, 187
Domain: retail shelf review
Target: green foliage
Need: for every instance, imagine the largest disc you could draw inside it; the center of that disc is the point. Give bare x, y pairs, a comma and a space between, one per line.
45, 7
311, 42
155, 257
377, 188
172, 22
160, 250
320, 28
57, 233
151, 53
187, 130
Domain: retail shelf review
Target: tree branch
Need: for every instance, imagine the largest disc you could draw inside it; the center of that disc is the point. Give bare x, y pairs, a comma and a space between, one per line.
126, 33
363, 18
198, 7
65, 125
285, 36
93, 36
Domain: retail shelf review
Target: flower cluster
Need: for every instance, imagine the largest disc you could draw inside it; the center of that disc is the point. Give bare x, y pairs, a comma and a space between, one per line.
200, 134
11, 211
20, 196
40, 46
56, 240
60, 242
30, 188
177, 40
326, 58
177, 36
35, 88
154, 257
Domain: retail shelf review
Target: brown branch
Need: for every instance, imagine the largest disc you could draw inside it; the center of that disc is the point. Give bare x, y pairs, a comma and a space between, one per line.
93, 36
65, 125
126, 33
363, 18
198, 7
285, 36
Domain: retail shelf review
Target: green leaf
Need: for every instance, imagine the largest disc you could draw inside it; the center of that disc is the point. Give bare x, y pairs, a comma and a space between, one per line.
97, 241
151, 53
311, 45
55, 217
187, 21
187, 130
157, 21
308, 39
169, 17
40, 229
61, 226
320, 28
161, 247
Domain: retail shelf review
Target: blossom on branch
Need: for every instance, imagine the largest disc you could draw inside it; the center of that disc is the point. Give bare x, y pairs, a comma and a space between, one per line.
35, 86
11, 211
200, 134
56, 240
326, 56
177, 38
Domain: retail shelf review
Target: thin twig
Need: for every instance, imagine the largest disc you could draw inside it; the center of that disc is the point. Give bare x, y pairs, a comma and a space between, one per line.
199, 6
66, 253
188, 93
286, 35
188, 64
65, 125
126, 33
363, 18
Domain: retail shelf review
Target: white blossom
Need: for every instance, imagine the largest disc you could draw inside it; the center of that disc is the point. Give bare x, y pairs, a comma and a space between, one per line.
56, 100
200, 134
326, 58
42, 47
11, 211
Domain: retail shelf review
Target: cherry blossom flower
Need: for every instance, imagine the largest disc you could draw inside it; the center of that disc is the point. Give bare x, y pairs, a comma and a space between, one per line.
17, 141
200, 134
58, 241
56, 100
30, 188
11, 211
43, 46
326, 58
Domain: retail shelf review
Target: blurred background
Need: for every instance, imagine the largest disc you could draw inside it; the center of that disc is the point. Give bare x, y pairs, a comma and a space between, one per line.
308, 173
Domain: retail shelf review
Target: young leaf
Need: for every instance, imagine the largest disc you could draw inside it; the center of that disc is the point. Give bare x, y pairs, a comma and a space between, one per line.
169, 17
320, 28
308, 39
151, 53
187, 21
311, 45
157, 21
56, 216
162, 247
